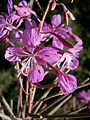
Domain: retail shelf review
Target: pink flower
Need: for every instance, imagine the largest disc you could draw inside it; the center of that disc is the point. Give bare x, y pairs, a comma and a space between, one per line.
30, 55
69, 58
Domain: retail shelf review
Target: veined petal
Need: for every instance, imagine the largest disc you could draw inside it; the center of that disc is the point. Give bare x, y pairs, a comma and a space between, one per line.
48, 54
2, 22
77, 48
10, 6
22, 11
31, 37
69, 60
10, 55
15, 53
3, 33
35, 37
36, 74
57, 43
56, 20
23, 3
67, 82
63, 31
73, 64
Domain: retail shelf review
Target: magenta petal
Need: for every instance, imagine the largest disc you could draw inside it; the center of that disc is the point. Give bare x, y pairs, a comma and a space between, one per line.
29, 24
63, 31
31, 37
57, 43
35, 37
63, 40
73, 64
36, 74
15, 53
22, 11
68, 83
56, 20
70, 61
77, 48
10, 6
2, 21
3, 33
48, 54
10, 55
23, 3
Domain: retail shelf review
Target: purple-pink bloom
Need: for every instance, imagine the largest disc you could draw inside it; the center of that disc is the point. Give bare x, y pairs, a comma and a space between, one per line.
5, 25
22, 11
6, 21
29, 54
58, 31
69, 58
67, 82
69, 61
84, 97
23, 54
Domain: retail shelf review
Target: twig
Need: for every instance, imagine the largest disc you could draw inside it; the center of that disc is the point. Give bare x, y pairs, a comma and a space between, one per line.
39, 103
7, 106
52, 104
78, 110
31, 97
39, 6
11, 104
5, 116
44, 15
59, 105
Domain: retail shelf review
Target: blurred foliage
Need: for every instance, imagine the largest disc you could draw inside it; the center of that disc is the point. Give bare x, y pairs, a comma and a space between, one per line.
81, 10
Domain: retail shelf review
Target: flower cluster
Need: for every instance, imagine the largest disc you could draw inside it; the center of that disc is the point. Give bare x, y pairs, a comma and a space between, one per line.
32, 52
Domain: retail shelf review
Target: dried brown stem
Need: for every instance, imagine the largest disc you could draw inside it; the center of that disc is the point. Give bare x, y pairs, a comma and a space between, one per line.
31, 97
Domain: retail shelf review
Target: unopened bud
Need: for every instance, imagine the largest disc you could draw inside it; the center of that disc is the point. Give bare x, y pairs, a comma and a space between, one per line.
70, 15
53, 5
71, 1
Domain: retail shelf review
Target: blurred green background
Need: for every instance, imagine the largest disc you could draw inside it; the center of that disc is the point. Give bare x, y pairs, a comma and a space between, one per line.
81, 26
